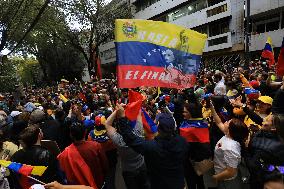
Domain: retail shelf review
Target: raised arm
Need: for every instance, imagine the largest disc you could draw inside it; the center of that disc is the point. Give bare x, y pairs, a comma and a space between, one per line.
217, 119
108, 125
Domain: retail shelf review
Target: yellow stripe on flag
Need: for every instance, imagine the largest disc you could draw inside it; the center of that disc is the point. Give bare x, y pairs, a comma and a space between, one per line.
160, 33
38, 170
5, 163
269, 40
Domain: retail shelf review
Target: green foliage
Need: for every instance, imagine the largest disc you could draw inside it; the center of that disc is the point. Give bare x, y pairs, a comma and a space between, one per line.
8, 76
17, 19
95, 24
44, 28
29, 70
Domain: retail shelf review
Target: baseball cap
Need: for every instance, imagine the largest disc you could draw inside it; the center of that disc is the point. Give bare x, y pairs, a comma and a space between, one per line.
266, 99
85, 108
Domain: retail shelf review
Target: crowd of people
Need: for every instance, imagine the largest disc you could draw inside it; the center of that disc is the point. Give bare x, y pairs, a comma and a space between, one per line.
225, 132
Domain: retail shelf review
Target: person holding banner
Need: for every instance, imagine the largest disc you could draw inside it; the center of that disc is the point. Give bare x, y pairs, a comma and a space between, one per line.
163, 155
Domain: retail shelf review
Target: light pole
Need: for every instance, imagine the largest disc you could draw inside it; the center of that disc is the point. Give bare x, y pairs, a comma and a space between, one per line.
247, 53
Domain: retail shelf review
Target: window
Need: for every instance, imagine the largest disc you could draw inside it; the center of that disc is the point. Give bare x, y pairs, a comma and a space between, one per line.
217, 10
188, 9
217, 28
177, 14
201, 29
271, 26
266, 23
214, 2
143, 4
260, 28
218, 41
282, 24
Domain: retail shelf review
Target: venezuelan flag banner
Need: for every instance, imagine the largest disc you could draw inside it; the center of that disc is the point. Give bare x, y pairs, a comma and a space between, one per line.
23, 169
280, 63
268, 52
195, 130
157, 54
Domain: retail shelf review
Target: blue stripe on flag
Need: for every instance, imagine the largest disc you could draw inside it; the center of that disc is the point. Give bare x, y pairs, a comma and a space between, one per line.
150, 122
148, 54
194, 123
15, 166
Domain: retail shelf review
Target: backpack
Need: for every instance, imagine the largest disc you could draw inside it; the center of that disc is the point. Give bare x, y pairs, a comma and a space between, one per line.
265, 149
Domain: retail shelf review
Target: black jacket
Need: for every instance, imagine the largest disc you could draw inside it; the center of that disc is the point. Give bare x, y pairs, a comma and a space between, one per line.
39, 156
164, 157
265, 149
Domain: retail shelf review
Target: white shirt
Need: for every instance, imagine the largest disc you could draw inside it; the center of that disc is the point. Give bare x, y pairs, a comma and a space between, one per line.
227, 153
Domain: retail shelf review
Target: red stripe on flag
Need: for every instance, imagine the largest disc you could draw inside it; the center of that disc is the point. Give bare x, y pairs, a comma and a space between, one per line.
195, 134
132, 76
134, 106
26, 170
269, 55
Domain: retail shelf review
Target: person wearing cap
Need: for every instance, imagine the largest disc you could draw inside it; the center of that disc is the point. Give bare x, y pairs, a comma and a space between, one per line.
99, 134
262, 112
163, 155
87, 112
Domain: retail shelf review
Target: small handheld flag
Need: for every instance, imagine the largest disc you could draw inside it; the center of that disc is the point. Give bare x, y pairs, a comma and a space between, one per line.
23, 169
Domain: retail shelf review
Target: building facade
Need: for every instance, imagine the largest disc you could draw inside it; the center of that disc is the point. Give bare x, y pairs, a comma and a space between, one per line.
267, 19
221, 20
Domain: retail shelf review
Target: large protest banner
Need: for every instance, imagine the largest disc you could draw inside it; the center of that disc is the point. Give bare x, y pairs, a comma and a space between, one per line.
153, 53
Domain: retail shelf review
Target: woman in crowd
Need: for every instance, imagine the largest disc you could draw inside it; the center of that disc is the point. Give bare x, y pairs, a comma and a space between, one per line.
228, 152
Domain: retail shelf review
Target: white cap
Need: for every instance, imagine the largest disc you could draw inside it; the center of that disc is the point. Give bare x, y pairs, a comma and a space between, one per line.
15, 113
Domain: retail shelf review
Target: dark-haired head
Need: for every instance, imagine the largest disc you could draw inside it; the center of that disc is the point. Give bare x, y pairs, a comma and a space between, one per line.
30, 135
192, 110
238, 131
77, 132
278, 123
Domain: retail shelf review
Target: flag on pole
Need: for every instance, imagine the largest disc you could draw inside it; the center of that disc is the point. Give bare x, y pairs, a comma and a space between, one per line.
268, 52
280, 63
23, 169
157, 54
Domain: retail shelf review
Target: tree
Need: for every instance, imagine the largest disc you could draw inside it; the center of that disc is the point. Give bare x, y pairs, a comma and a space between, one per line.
8, 76
28, 70
56, 58
95, 24
17, 19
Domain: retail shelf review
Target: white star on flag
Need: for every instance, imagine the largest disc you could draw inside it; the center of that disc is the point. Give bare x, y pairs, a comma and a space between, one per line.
144, 60
149, 54
164, 52
154, 50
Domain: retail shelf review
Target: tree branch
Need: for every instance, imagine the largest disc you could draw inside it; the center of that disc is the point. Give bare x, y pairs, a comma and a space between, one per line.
37, 18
